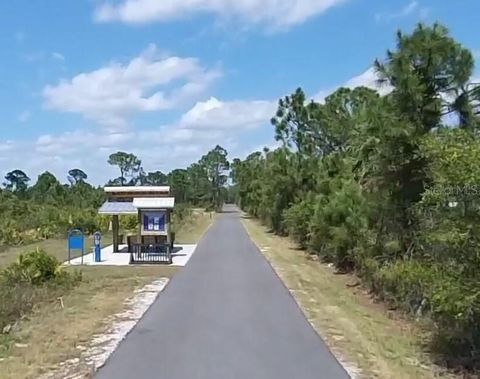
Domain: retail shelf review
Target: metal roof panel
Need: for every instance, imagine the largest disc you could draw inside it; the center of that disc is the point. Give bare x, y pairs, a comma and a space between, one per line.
117, 208
154, 202
133, 189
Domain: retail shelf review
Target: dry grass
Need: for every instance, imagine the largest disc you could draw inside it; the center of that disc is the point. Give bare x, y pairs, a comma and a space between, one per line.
359, 331
51, 335
55, 247
194, 228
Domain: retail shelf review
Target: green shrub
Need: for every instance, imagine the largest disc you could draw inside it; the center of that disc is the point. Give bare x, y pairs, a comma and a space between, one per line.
408, 285
456, 312
451, 301
182, 212
297, 219
339, 223
34, 268
35, 278
129, 223
396, 191
28, 219
368, 269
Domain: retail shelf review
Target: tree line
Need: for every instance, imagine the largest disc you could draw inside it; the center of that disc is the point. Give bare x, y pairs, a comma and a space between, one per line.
387, 186
201, 184
49, 208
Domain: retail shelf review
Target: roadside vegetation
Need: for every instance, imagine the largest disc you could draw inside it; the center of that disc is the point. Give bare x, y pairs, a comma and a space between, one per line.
35, 277
191, 223
49, 209
370, 339
58, 326
48, 312
386, 186
56, 247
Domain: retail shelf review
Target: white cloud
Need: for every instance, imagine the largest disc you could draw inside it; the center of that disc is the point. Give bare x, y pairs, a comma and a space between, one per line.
412, 8
215, 114
176, 145
149, 82
274, 13
58, 56
6, 146
24, 116
368, 79
271, 146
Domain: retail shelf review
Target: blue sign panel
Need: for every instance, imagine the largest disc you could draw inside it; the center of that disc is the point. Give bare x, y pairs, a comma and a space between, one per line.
154, 221
76, 241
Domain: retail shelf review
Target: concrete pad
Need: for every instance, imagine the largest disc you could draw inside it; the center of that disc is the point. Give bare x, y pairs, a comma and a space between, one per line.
180, 257
182, 254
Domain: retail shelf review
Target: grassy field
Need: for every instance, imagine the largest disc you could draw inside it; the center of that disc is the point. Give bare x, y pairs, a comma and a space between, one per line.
189, 232
52, 334
367, 335
55, 247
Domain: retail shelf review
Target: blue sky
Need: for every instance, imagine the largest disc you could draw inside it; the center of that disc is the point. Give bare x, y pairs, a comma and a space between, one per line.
170, 79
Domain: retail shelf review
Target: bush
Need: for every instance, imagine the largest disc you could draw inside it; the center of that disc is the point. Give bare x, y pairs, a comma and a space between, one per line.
36, 277
339, 223
182, 212
456, 312
28, 219
408, 285
436, 292
129, 223
297, 219
34, 268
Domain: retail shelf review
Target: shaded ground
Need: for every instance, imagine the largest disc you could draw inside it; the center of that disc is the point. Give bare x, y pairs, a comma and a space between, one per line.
225, 315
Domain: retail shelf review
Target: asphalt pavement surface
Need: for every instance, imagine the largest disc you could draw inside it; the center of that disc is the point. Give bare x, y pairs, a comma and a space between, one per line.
226, 315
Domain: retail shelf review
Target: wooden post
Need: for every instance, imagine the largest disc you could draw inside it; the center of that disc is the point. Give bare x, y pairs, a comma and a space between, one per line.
115, 228
167, 226
139, 231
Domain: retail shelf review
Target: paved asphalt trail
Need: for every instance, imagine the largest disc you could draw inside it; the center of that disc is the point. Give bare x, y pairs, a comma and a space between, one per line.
226, 315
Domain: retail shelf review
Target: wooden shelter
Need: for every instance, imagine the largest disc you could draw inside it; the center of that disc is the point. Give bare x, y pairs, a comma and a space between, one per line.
153, 207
